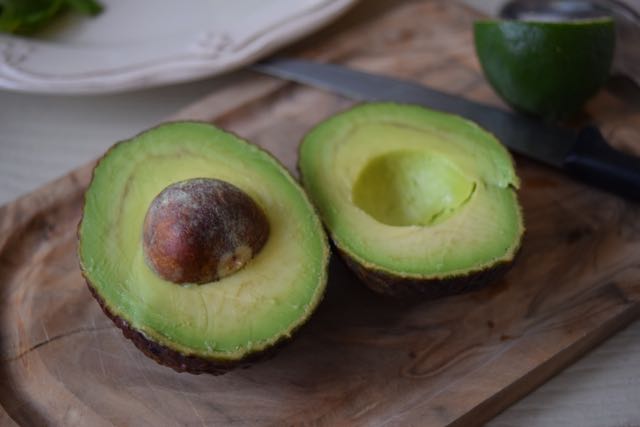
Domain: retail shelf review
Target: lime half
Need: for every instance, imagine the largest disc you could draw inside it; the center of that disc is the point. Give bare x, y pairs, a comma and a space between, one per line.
546, 68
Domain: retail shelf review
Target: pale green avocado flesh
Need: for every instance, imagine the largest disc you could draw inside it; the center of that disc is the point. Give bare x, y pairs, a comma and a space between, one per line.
413, 192
245, 312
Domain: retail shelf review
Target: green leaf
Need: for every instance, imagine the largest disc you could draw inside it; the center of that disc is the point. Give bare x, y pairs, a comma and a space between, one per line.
27, 16
89, 7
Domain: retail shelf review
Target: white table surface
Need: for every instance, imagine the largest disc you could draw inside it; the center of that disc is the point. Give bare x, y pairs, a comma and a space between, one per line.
43, 137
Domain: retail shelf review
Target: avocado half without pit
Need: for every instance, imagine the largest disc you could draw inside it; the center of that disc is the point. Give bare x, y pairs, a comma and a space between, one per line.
418, 202
201, 247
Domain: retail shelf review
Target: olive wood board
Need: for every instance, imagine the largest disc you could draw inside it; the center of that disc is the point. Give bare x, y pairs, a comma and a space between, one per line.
362, 359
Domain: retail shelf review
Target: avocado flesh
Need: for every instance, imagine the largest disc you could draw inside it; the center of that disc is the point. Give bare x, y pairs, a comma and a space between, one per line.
240, 314
413, 193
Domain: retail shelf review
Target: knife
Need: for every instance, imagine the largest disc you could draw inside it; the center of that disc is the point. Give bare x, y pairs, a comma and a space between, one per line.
583, 153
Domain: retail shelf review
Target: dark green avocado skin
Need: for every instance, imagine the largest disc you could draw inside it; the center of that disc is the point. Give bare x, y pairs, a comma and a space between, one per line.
180, 362
545, 69
406, 288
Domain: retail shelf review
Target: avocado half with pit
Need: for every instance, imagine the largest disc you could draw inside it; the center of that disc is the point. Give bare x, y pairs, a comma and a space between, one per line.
418, 202
201, 247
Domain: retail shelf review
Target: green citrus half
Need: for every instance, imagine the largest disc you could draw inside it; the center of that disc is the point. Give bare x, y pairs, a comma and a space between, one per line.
546, 68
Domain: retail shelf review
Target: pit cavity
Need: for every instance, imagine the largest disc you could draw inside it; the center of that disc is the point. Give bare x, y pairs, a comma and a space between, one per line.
404, 188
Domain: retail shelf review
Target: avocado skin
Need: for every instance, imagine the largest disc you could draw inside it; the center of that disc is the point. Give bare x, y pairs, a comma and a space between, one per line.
174, 359
180, 362
399, 287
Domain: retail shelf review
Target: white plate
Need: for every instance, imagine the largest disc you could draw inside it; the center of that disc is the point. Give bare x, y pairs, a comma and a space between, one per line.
142, 43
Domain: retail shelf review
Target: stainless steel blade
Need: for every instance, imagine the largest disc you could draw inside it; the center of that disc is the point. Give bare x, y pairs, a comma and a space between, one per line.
544, 142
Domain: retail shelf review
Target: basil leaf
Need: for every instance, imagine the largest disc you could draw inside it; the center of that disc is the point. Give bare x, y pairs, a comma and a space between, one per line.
89, 7
27, 16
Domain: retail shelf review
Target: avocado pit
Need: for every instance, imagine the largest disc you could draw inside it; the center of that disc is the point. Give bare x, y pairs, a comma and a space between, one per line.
201, 230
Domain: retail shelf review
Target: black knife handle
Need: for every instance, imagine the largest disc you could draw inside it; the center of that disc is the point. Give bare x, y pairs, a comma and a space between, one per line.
595, 162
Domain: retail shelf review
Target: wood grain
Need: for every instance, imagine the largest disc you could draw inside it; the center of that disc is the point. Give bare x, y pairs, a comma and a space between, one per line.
362, 359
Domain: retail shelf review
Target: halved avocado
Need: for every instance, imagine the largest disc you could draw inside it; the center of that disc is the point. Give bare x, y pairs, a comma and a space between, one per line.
418, 202
146, 192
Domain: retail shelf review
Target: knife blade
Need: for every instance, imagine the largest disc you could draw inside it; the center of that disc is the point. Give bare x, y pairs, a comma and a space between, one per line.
584, 153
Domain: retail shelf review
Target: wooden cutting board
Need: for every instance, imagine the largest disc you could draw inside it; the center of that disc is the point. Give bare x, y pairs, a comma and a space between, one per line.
361, 360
